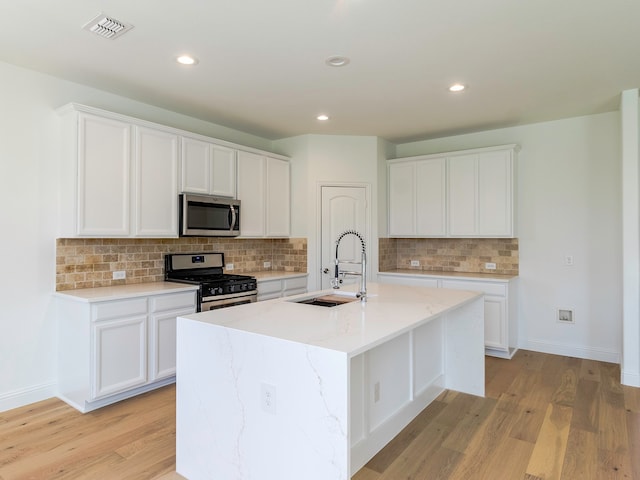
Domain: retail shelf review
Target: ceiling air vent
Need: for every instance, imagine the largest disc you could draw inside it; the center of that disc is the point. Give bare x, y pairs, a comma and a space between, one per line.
107, 27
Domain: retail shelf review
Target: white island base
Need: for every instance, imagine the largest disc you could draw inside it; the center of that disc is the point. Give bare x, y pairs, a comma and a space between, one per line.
281, 390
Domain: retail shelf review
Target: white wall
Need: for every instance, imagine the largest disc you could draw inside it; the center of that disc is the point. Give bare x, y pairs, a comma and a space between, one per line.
29, 155
324, 159
630, 119
569, 204
569, 196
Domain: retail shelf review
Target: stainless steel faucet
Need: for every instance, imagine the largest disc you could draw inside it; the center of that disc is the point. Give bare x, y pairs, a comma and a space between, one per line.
335, 283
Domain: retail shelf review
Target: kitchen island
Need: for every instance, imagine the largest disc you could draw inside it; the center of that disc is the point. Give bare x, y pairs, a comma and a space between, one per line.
284, 390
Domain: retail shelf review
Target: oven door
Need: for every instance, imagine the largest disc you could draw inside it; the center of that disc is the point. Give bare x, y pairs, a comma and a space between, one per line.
210, 303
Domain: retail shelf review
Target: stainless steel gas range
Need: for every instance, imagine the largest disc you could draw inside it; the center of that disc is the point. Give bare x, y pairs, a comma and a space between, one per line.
217, 289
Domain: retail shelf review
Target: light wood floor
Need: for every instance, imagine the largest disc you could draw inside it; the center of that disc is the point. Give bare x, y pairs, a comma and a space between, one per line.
543, 417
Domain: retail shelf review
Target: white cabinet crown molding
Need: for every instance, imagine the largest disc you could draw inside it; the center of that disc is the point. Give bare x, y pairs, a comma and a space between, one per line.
454, 153
69, 107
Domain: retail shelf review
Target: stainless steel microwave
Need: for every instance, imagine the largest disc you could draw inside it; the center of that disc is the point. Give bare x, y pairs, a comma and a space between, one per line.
208, 216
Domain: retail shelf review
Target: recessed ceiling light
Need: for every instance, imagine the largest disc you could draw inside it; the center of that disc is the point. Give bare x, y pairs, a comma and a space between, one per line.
457, 87
187, 60
337, 61
323, 117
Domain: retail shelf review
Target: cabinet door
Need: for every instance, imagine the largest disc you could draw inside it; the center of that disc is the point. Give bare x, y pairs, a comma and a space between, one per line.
430, 197
494, 194
251, 192
104, 165
223, 181
462, 188
119, 355
402, 200
278, 198
196, 166
495, 326
162, 344
156, 181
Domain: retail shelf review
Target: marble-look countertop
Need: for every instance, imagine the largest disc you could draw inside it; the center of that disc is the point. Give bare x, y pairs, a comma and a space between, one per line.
458, 275
351, 328
117, 292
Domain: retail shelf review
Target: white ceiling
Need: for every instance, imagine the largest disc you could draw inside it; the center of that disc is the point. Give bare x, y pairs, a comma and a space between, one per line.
262, 63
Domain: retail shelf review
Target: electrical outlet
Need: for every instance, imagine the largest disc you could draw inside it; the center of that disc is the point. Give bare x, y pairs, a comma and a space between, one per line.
119, 275
268, 398
266, 264
376, 392
568, 260
490, 266
415, 263
565, 316
229, 266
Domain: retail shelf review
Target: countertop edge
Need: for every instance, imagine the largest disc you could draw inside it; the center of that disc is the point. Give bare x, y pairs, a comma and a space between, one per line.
489, 277
119, 292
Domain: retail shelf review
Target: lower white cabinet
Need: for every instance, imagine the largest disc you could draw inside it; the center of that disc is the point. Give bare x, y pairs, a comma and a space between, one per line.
114, 349
120, 361
269, 288
500, 306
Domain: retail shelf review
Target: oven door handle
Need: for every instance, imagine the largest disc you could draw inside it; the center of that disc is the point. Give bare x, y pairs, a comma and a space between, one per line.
228, 302
232, 214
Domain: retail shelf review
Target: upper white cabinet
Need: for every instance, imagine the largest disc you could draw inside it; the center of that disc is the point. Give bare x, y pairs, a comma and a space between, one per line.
208, 168
264, 190
417, 198
455, 194
118, 179
156, 180
98, 185
480, 194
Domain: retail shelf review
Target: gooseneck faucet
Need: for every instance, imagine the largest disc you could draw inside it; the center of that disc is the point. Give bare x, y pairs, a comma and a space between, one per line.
335, 283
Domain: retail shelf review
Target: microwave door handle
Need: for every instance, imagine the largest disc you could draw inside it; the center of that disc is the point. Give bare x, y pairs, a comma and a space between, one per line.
233, 217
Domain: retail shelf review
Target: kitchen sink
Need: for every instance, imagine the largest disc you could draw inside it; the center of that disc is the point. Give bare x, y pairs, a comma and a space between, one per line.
327, 300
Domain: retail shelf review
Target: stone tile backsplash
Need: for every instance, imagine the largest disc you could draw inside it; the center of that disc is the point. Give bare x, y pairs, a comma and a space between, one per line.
86, 263
467, 255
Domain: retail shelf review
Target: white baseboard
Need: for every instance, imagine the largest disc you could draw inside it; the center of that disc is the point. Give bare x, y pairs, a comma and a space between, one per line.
631, 379
570, 350
20, 398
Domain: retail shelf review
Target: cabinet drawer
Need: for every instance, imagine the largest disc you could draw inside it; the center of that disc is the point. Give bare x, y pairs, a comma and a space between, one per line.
161, 303
270, 286
295, 283
119, 308
488, 288
410, 281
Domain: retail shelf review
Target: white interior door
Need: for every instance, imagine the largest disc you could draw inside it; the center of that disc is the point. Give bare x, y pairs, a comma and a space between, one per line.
342, 208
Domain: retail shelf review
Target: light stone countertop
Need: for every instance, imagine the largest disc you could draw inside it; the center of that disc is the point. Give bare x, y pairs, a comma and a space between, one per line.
118, 292
351, 328
458, 275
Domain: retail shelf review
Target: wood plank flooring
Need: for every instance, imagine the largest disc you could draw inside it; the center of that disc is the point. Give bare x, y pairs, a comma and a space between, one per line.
544, 417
